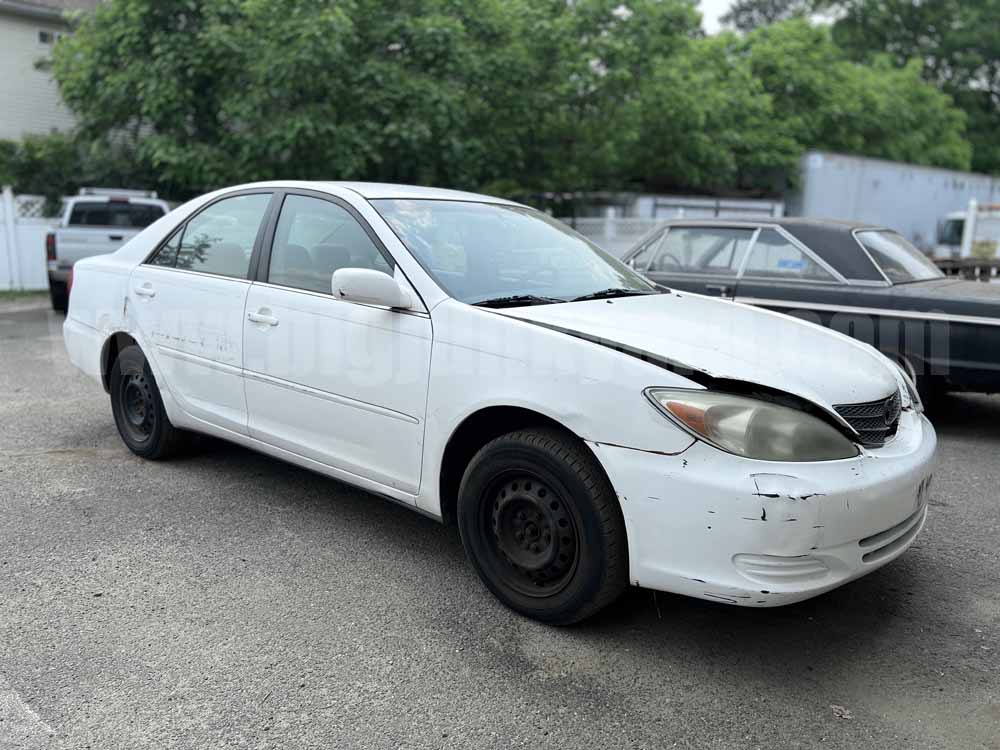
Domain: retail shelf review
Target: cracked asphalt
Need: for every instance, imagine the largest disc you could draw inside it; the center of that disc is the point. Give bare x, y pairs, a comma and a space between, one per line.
227, 600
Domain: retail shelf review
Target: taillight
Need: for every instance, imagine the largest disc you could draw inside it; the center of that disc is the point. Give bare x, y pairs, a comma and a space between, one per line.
69, 282
50, 246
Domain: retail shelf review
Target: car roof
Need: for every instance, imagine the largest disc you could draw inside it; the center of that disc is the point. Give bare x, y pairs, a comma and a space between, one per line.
787, 222
377, 190
373, 190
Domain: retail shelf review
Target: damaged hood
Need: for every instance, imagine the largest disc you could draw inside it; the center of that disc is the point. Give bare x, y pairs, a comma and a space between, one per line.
727, 340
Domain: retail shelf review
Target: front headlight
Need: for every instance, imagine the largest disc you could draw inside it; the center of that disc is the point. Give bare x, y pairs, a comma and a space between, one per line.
752, 428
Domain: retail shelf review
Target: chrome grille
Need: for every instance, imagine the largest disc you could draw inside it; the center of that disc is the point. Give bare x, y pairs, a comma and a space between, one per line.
874, 421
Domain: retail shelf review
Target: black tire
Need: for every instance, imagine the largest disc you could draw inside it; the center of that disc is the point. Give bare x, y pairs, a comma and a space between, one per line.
932, 392
59, 296
542, 526
139, 414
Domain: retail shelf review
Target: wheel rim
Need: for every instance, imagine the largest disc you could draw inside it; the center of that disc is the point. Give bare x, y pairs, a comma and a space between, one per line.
532, 533
138, 406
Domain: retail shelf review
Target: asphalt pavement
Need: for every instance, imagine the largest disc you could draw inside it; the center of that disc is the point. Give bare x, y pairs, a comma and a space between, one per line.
228, 600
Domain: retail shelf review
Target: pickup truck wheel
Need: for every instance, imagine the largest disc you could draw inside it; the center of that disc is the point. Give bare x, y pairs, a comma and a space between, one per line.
542, 526
139, 414
59, 296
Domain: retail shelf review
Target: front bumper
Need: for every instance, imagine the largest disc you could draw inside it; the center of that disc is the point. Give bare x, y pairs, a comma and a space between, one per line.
716, 526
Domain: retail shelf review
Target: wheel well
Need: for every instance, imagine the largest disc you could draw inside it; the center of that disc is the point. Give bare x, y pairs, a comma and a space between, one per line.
112, 347
476, 431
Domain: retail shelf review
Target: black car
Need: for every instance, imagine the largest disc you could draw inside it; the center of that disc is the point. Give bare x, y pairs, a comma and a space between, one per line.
862, 280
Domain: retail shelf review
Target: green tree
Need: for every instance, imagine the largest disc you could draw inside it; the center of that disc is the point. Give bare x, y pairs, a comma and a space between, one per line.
706, 122
956, 44
515, 94
747, 15
514, 97
827, 101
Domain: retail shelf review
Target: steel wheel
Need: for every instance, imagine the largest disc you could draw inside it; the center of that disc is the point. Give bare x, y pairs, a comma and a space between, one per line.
542, 526
138, 409
138, 405
533, 532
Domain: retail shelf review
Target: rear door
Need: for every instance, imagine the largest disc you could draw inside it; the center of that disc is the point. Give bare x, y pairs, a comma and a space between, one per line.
784, 275
701, 259
340, 382
188, 301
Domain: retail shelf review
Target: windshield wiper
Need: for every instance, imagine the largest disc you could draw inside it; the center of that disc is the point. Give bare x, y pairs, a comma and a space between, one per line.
517, 300
613, 292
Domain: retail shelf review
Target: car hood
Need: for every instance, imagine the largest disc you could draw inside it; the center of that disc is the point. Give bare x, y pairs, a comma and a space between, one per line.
729, 341
962, 289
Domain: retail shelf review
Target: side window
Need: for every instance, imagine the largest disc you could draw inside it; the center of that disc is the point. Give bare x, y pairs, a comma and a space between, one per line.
313, 239
167, 254
775, 257
712, 250
641, 259
220, 239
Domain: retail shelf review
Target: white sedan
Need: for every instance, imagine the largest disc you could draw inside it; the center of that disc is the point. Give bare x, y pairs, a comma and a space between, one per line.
479, 362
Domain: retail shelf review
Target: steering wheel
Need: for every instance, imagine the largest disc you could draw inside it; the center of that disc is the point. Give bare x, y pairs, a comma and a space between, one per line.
673, 262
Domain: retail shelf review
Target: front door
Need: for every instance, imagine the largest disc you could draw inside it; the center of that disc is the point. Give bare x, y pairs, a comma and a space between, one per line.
779, 273
339, 382
704, 260
188, 301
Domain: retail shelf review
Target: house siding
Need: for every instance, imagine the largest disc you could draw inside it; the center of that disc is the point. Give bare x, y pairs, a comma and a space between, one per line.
29, 98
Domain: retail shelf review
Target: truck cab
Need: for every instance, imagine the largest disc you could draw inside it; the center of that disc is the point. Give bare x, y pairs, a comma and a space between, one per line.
972, 233
97, 221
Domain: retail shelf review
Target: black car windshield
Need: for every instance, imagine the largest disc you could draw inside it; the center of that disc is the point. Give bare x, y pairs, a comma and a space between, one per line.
900, 261
503, 254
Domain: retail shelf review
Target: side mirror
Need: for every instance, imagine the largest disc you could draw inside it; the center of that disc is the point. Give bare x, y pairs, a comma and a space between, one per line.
369, 287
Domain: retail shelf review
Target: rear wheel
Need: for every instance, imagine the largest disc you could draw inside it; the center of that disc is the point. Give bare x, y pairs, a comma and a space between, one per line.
139, 414
542, 526
59, 295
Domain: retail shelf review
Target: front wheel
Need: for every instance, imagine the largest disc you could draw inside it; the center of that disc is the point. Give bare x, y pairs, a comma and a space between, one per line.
542, 526
139, 414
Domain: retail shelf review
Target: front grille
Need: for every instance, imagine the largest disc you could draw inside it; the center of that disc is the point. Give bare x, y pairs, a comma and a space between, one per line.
874, 421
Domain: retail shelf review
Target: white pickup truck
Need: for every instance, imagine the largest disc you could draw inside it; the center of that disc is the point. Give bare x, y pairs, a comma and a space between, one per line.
95, 222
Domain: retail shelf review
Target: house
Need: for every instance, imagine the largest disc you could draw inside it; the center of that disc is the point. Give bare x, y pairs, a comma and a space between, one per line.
29, 98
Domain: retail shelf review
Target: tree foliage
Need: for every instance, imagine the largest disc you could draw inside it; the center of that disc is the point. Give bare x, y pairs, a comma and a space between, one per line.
830, 102
514, 97
954, 43
56, 164
747, 15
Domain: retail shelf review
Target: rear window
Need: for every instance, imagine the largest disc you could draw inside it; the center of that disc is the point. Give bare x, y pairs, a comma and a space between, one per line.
109, 214
900, 261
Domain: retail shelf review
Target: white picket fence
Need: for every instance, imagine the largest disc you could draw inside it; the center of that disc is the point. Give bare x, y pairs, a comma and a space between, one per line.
22, 242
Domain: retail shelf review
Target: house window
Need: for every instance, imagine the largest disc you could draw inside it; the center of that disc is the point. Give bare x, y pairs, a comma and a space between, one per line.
48, 38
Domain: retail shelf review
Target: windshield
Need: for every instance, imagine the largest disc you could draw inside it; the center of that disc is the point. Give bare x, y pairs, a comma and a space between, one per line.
479, 252
900, 261
951, 232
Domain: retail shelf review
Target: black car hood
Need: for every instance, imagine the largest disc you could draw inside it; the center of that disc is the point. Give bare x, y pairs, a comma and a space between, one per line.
949, 296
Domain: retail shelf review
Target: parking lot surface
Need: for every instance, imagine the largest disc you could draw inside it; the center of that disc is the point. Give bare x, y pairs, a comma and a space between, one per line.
225, 599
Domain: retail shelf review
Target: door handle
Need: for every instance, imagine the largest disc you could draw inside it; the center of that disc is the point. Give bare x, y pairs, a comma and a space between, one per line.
116, 237
146, 290
262, 316
721, 289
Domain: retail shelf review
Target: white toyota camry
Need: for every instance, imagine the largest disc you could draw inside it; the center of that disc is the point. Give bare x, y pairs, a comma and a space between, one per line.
478, 361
